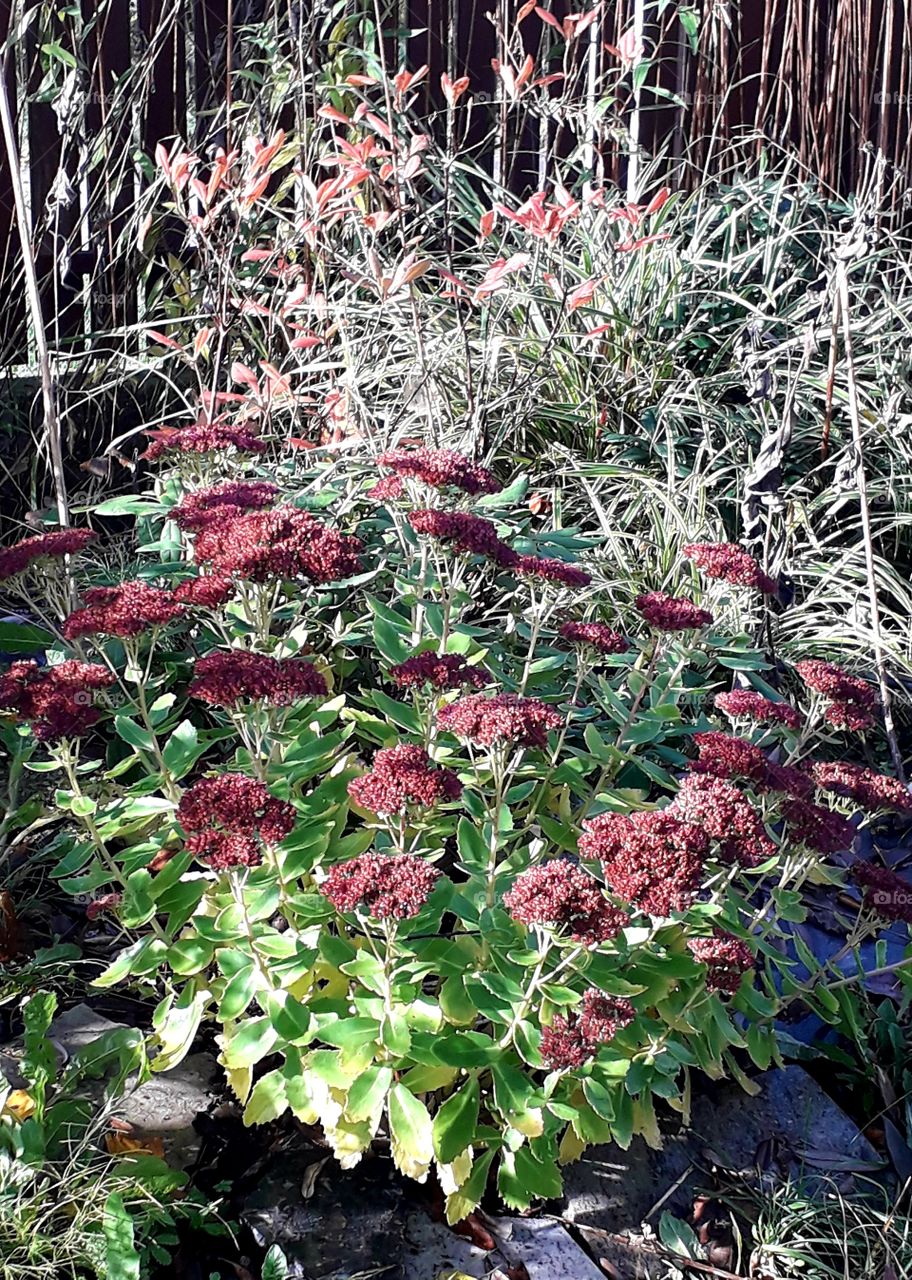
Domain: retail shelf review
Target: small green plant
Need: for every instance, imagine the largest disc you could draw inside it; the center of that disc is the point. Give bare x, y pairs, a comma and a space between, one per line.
67, 1207
828, 1235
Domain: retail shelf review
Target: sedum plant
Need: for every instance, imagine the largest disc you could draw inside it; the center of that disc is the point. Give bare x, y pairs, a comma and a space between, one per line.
448, 856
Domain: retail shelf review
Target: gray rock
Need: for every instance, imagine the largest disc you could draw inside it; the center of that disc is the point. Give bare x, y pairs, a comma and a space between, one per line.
167, 1105
78, 1027
791, 1123
432, 1249
164, 1106
547, 1250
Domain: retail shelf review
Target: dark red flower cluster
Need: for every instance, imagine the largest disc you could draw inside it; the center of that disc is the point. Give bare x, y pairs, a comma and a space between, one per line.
386, 490
731, 563
726, 957
57, 702
549, 569
868, 789
834, 683
285, 542
850, 716
850, 698
204, 437
722, 755
886, 893
229, 676
597, 635
439, 670
562, 895
227, 820
727, 816
671, 613
486, 719
466, 533
223, 501
385, 886
572, 1040
42, 546
817, 827
750, 705
402, 776
653, 860
441, 469
208, 591
125, 610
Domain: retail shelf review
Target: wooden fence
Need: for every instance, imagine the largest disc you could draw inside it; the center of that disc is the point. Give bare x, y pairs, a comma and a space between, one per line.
95, 90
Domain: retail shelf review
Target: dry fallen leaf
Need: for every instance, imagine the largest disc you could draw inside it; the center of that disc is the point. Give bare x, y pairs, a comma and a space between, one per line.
121, 1144
20, 1104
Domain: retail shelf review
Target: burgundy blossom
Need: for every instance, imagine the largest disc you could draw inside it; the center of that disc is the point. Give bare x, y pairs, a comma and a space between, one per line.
653, 860
227, 677
499, 718
572, 1040
726, 957
222, 501
563, 1045
385, 886
562, 895
731, 563
835, 683
57, 702
549, 569
817, 827
208, 591
228, 817
886, 893
125, 610
464, 532
868, 789
402, 776
204, 437
42, 546
750, 705
671, 613
724, 756
386, 490
285, 542
848, 715
596, 635
439, 670
441, 469
727, 816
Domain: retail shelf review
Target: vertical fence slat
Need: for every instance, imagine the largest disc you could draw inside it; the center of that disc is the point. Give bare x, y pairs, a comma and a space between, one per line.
13, 331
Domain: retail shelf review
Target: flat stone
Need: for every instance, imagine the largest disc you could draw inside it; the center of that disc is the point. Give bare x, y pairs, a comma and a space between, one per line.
165, 1106
791, 1123
432, 1249
546, 1249
78, 1027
